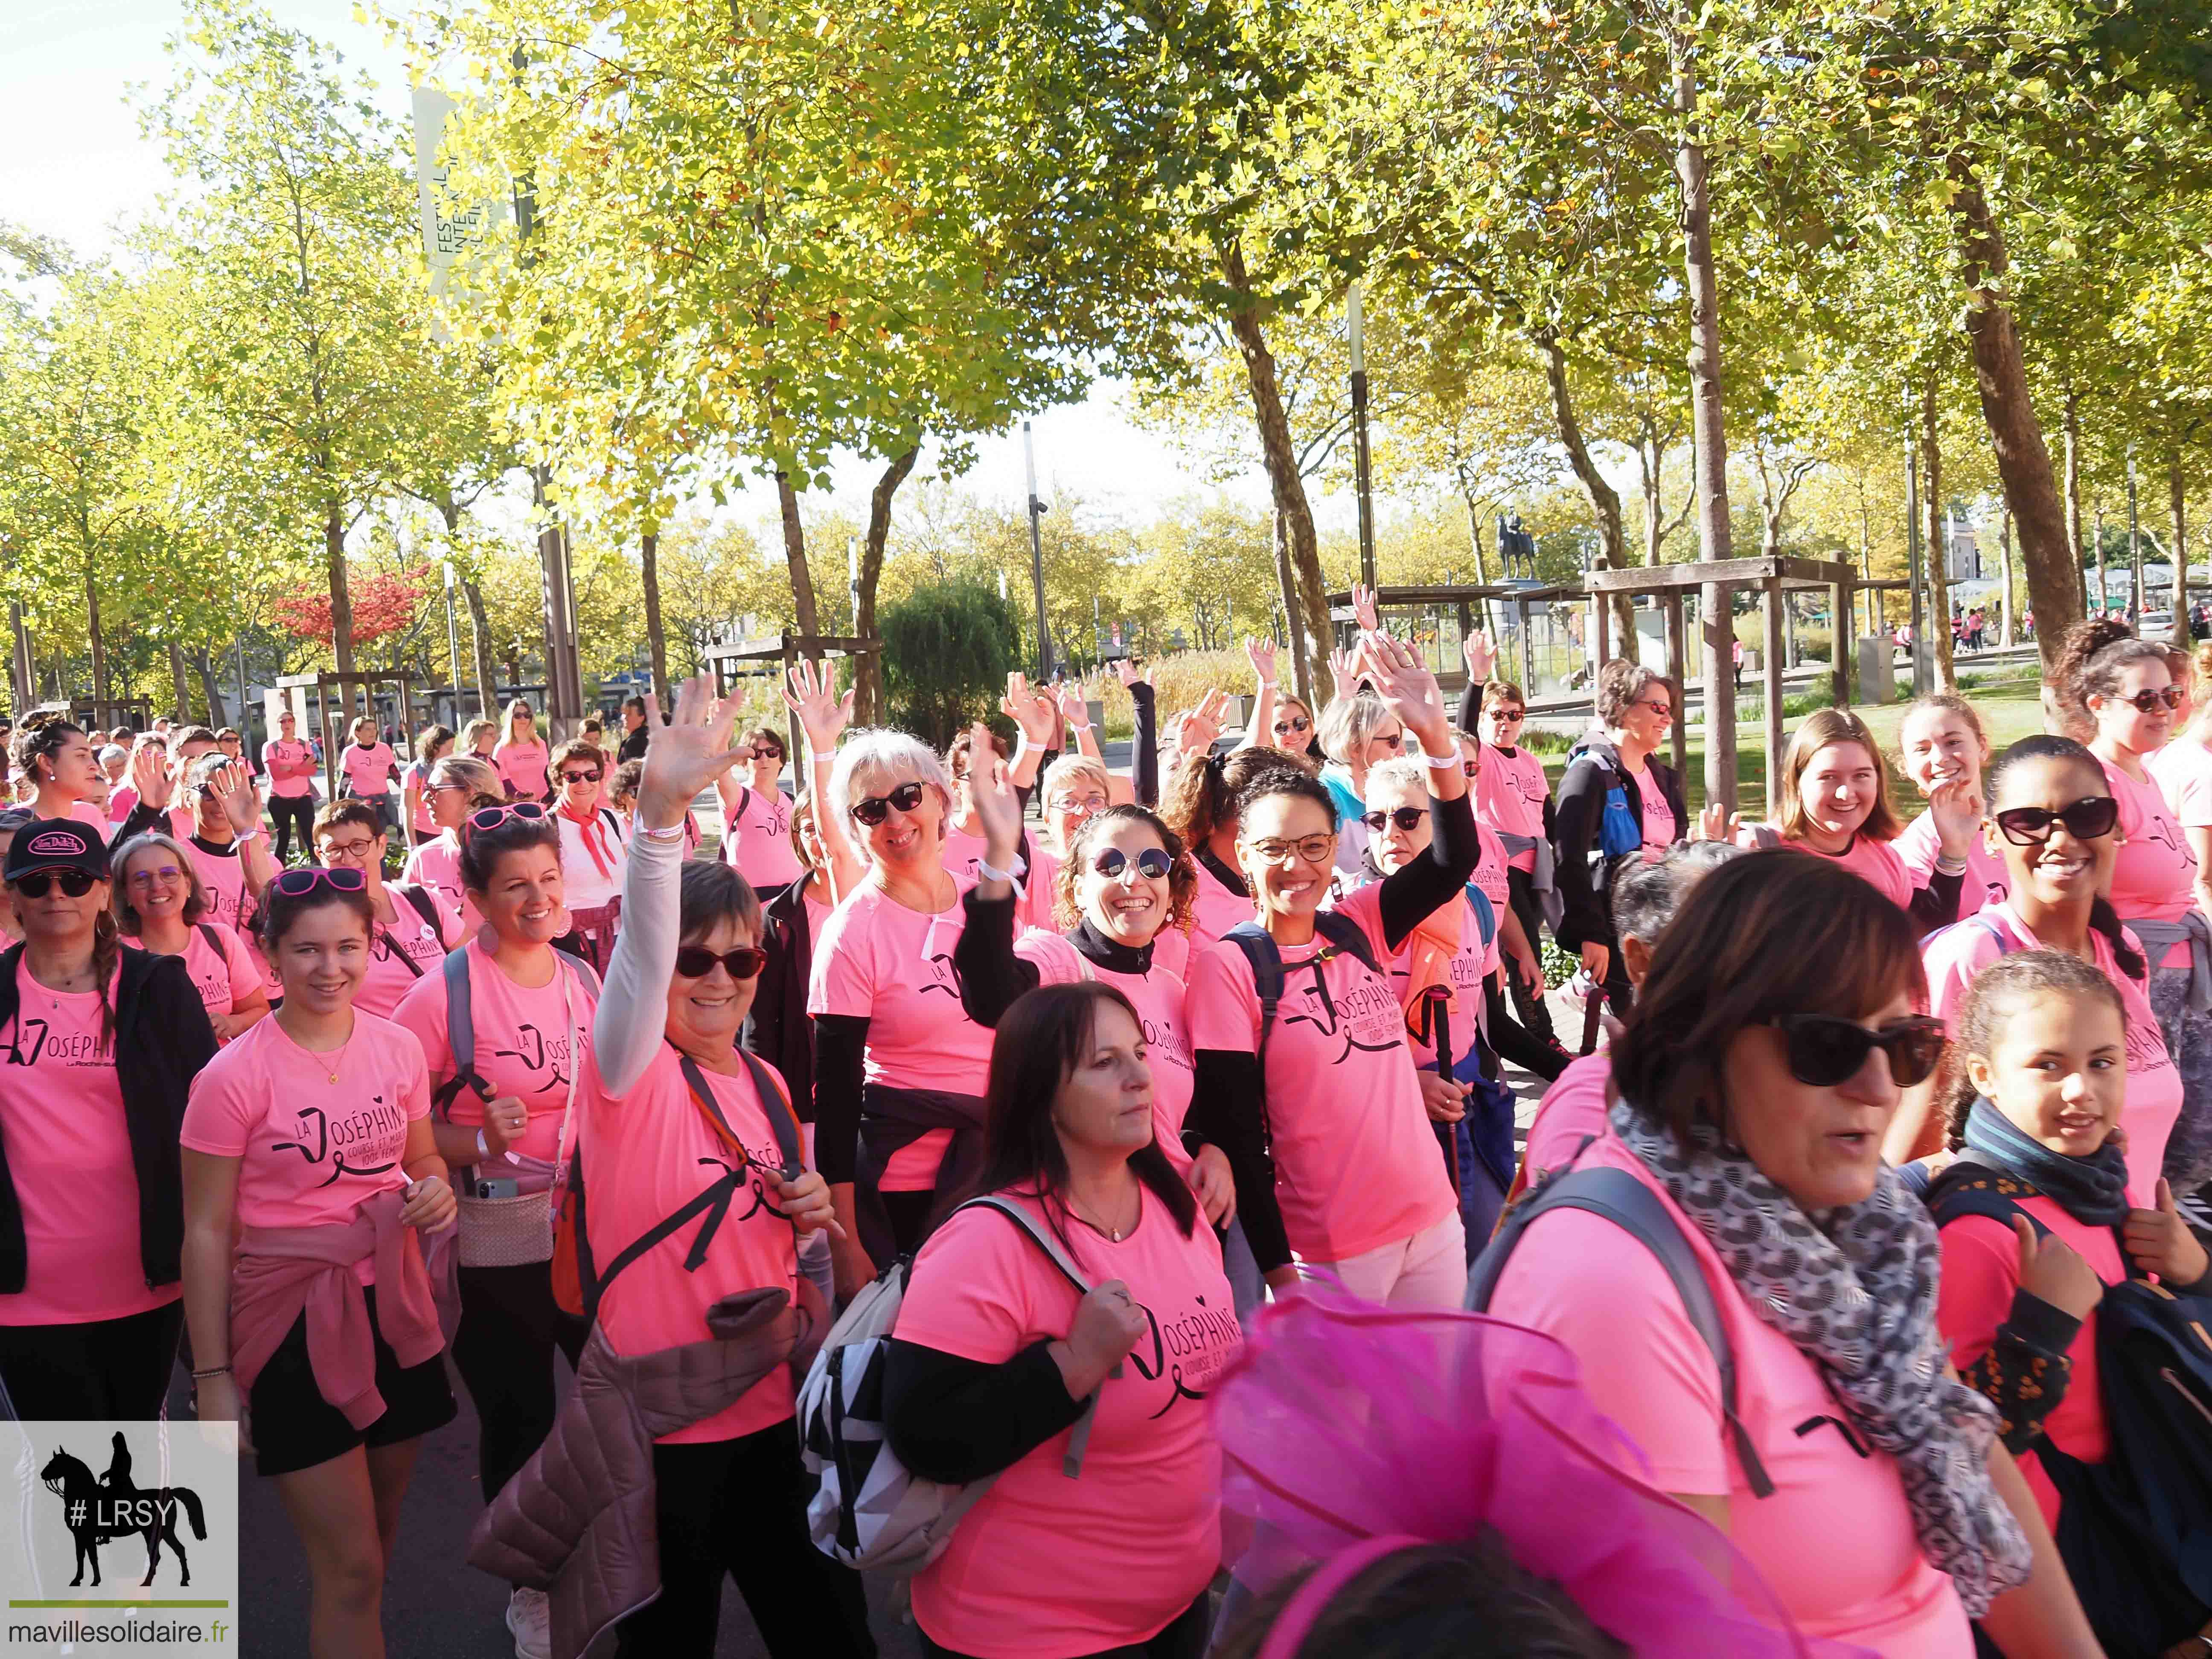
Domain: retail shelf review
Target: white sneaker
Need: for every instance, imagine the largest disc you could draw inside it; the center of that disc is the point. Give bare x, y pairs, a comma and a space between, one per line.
530, 1621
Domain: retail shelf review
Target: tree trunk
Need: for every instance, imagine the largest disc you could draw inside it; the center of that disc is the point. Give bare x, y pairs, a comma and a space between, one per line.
1294, 637
2177, 507
2074, 495
2001, 376
1474, 541
794, 556
1612, 540
181, 686
868, 676
656, 635
2100, 527
1935, 534
210, 685
487, 668
1317, 634
2004, 550
100, 711
1708, 428
334, 561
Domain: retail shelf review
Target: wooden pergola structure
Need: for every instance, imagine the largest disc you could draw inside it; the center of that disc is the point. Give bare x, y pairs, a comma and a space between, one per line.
136, 713
367, 681
1715, 585
1465, 596
767, 656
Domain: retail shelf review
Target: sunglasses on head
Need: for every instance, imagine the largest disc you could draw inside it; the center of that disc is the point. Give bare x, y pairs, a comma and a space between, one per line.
300, 881
1153, 861
2149, 702
2085, 820
1406, 817
1296, 723
75, 882
875, 809
696, 961
490, 818
1825, 1050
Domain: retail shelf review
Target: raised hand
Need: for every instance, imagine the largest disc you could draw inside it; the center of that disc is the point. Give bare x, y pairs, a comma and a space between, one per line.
991, 791
1261, 655
1363, 607
1073, 703
687, 754
232, 789
149, 774
1344, 672
1202, 727
1717, 822
1127, 668
811, 692
1956, 807
1480, 651
1407, 689
1030, 710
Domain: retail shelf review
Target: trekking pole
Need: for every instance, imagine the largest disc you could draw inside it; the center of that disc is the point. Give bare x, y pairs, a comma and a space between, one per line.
1439, 1000
1593, 1012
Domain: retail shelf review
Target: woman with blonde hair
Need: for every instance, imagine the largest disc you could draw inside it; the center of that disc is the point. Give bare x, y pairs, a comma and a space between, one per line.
521, 755
160, 906
458, 786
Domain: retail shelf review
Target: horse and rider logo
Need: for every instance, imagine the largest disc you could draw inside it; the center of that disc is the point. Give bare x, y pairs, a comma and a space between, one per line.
100, 1510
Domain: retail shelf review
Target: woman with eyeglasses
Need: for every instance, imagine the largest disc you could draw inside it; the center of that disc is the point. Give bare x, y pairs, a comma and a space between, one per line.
594, 849
310, 1173
730, 1494
228, 847
432, 745
1075, 789
459, 786
499, 1123
100, 1043
1358, 732
1751, 1083
411, 928
1320, 1113
756, 815
160, 906
479, 738
520, 754
1513, 796
898, 1065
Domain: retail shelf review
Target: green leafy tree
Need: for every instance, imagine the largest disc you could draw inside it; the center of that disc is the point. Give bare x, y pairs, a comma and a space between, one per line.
947, 652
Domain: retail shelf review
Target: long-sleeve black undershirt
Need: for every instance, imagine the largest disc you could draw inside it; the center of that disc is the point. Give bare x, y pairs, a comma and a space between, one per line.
956, 1420
1145, 755
841, 1046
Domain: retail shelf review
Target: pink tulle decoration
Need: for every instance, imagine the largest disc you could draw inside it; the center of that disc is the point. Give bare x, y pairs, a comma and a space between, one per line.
1342, 1420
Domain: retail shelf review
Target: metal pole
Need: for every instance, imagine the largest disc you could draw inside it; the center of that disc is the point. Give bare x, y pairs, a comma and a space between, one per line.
2135, 549
853, 578
453, 643
484, 693
1363, 476
27, 687
1923, 678
1037, 510
245, 714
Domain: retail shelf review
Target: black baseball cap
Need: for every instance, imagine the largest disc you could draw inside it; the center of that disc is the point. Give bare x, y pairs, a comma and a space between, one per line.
56, 844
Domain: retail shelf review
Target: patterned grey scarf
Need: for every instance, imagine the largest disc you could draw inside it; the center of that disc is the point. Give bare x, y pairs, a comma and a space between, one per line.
1855, 1288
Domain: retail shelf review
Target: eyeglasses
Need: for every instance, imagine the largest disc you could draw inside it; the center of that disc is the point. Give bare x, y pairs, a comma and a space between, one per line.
160, 875
302, 879
1153, 861
591, 777
1824, 1050
75, 882
1406, 817
875, 809
1078, 803
696, 961
2085, 820
1295, 724
490, 818
2149, 702
1314, 849
348, 849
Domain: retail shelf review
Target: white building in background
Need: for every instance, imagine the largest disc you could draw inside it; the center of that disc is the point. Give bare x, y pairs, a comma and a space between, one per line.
1962, 549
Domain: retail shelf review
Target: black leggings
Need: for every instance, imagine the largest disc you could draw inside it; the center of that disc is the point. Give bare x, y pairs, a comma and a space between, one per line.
1529, 1008
503, 1349
1184, 1638
105, 1368
739, 1507
286, 809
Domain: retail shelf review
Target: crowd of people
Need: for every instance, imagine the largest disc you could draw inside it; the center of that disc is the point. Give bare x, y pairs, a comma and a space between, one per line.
1151, 1130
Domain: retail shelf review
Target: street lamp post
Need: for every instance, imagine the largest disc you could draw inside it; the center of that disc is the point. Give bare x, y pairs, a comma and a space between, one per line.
1363, 476
1037, 510
453, 642
2135, 550
1923, 678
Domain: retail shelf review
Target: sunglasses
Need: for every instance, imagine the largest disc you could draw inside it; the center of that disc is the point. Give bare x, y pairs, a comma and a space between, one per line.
696, 961
591, 777
75, 882
876, 808
1296, 723
303, 879
1153, 861
490, 818
1664, 711
1314, 849
1824, 1050
2149, 702
1509, 716
1406, 817
2085, 820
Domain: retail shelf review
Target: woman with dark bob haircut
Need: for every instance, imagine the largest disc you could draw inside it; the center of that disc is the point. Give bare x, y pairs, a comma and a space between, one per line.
1781, 1018
997, 1356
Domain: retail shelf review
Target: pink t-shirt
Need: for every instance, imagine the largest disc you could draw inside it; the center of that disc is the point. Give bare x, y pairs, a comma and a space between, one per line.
224, 977
368, 771
436, 864
963, 857
1356, 1164
122, 801
1216, 909
1985, 881
1836, 1540
756, 843
1509, 792
310, 1150
69, 1155
1043, 1564
648, 1153
1573, 1110
1041, 889
85, 811
522, 1042
407, 939
418, 773
1469, 968
222, 873
877, 960
2184, 772
1659, 827
1157, 997
1489, 879
522, 767
1981, 1271
290, 764
2154, 876
1952, 958
1874, 862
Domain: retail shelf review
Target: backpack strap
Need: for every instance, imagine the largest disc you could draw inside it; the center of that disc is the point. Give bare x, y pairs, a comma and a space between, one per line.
460, 1037
1071, 1464
1967, 1188
1633, 1208
427, 907
1347, 936
1486, 913
1267, 965
214, 942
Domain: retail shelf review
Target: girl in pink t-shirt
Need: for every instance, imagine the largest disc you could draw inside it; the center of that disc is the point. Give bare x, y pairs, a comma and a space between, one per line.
521, 755
160, 904
412, 928
309, 1171
1940, 741
996, 1355
671, 1110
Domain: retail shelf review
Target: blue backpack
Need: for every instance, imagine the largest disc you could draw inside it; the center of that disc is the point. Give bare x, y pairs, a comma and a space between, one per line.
1618, 830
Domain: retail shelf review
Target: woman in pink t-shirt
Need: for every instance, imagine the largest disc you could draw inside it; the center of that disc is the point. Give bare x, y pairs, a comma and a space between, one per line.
521, 755
98, 1043
670, 1111
1321, 1111
63, 769
1513, 796
756, 815
289, 765
309, 1171
1759, 1067
160, 905
1939, 741
412, 928
368, 770
459, 785
431, 745
963, 831
2184, 770
996, 1355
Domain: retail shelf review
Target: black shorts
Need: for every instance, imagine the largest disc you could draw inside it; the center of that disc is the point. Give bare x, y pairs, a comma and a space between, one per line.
294, 1428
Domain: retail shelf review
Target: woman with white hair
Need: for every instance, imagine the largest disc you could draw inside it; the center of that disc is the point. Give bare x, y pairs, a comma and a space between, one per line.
899, 1067
1357, 732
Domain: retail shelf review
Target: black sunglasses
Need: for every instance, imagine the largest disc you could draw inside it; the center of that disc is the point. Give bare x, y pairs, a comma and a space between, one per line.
591, 777
75, 882
696, 961
1824, 1050
2149, 702
1406, 817
1153, 861
1296, 723
2088, 819
876, 808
